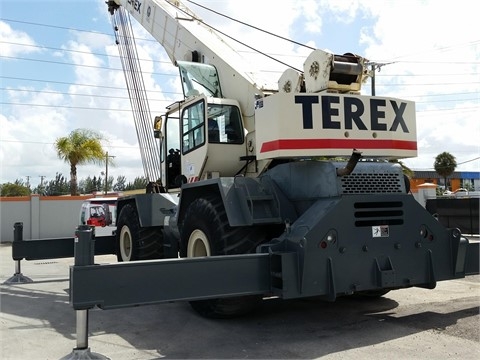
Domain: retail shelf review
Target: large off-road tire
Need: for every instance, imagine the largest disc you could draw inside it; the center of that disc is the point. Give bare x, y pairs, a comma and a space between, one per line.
134, 242
205, 232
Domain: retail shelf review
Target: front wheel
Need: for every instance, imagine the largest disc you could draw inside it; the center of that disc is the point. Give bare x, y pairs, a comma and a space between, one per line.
134, 242
205, 232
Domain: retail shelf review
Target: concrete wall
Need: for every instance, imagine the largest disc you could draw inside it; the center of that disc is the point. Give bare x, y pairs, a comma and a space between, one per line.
42, 216
424, 192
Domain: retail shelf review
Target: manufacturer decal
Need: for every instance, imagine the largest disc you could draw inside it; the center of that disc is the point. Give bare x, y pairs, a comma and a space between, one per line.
380, 231
354, 110
136, 4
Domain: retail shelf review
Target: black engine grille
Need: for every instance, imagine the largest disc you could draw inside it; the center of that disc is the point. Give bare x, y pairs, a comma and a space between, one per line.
378, 213
372, 183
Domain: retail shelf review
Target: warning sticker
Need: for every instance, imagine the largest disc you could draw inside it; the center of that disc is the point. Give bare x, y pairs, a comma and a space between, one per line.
380, 231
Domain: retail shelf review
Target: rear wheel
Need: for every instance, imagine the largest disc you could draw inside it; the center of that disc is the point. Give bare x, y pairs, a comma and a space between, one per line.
205, 232
133, 241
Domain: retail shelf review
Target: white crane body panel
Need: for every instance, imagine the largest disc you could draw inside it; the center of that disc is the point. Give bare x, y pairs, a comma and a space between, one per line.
328, 124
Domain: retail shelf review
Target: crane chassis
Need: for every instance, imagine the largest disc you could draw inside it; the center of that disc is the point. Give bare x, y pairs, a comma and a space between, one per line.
253, 201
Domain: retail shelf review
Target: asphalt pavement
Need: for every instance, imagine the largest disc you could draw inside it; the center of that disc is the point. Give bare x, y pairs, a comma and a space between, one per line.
37, 322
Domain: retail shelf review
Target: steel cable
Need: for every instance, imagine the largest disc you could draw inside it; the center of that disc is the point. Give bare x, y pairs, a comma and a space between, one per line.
149, 148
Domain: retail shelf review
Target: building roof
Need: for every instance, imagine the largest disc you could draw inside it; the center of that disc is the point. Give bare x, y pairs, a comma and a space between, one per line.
421, 174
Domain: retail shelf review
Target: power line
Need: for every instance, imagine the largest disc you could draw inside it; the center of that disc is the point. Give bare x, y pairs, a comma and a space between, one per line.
417, 75
66, 28
431, 84
162, 74
440, 49
444, 100
437, 62
165, 74
447, 94
464, 162
81, 65
77, 84
52, 143
78, 51
176, 93
135, 147
251, 26
456, 110
269, 55
95, 95
180, 94
70, 107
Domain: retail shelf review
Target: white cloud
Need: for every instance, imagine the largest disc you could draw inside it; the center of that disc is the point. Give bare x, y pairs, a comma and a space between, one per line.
12, 39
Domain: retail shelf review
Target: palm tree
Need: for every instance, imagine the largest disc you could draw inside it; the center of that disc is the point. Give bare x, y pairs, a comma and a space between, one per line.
445, 164
80, 147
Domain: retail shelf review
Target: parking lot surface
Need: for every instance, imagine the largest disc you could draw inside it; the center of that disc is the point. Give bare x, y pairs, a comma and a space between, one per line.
37, 322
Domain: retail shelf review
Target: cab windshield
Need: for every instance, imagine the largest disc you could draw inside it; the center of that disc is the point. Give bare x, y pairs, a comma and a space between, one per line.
198, 78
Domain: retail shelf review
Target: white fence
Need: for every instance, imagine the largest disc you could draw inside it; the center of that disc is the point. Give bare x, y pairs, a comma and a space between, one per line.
42, 216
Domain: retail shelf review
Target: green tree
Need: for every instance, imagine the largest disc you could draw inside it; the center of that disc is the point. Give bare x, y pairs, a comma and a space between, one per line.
109, 186
14, 189
58, 186
87, 186
120, 184
80, 147
139, 183
468, 186
445, 164
99, 183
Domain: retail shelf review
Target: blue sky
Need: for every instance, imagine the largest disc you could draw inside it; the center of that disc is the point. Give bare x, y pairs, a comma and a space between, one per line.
54, 79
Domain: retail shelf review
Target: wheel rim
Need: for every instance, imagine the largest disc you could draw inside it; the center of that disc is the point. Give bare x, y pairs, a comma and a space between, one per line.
198, 244
126, 243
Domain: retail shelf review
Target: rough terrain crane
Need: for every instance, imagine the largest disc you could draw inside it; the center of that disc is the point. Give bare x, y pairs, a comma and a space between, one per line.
241, 175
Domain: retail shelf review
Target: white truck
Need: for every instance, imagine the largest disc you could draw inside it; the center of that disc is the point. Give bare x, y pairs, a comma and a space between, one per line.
100, 212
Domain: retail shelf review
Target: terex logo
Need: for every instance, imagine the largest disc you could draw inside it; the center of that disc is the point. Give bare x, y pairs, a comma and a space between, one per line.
136, 4
354, 113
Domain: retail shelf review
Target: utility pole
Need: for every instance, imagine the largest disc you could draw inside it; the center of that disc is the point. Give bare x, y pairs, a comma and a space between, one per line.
374, 67
28, 181
41, 183
106, 171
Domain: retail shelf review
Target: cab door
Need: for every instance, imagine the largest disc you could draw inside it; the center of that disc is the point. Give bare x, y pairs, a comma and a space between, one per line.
193, 138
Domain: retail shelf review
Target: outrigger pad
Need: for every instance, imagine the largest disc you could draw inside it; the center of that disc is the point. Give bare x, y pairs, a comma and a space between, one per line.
84, 354
18, 279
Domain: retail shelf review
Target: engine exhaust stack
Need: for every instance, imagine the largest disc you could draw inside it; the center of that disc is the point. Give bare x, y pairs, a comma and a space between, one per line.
352, 162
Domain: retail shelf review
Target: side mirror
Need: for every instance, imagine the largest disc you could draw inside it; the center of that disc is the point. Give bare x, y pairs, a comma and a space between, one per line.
157, 127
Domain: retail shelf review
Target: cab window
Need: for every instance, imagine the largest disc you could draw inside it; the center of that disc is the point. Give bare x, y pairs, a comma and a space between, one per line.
224, 124
193, 127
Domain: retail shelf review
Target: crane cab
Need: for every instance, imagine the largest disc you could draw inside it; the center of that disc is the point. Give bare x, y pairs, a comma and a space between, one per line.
201, 138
